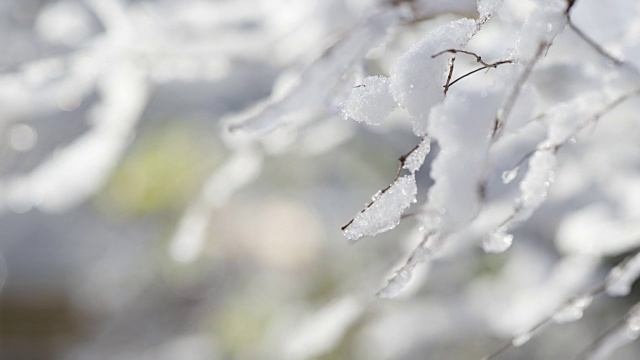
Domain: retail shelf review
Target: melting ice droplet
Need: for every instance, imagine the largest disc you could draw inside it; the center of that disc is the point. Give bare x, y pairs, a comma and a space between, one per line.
509, 175
521, 339
498, 241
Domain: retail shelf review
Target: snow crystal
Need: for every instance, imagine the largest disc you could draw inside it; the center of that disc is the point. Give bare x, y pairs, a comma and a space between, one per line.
385, 211
623, 276
414, 161
370, 102
498, 241
539, 177
572, 311
417, 79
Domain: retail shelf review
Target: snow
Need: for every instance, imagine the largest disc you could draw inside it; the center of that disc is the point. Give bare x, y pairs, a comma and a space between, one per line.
536, 182
461, 125
370, 102
497, 241
318, 81
417, 79
385, 211
572, 311
414, 161
622, 277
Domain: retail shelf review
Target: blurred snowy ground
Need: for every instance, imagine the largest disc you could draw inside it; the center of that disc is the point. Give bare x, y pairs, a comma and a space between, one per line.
110, 118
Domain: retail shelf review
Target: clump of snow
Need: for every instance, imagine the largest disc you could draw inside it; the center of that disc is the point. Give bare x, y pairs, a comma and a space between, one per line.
370, 102
385, 211
509, 175
542, 25
539, 177
498, 241
462, 125
417, 79
318, 82
396, 284
414, 161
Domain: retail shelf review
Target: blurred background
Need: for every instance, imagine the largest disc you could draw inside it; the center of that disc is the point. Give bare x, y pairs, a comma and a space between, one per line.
110, 116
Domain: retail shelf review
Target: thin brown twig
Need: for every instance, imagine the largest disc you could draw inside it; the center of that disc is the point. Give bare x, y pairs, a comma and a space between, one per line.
402, 160
485, 65
450, 75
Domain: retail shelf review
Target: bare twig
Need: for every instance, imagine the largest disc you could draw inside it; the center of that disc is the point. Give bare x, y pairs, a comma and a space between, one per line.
485, 65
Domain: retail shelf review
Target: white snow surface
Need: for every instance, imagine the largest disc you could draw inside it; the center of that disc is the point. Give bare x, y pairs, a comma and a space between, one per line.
385, 211
370, 102
417, 79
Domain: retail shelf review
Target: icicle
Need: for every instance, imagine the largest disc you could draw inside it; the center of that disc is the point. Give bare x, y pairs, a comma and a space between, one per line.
498, 241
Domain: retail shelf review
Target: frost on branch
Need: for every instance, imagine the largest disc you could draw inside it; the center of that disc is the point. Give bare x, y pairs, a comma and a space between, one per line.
385, 210
417, 78
370, 102
623, 276
416, 157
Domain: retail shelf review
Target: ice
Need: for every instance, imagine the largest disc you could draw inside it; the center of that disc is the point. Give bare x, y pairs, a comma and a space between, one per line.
385, 211
414, 161
486, 8
509, 175
395, 285
370, 102
521, 339
537, 180
498, 241
417, 79
622, 277
572, 311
